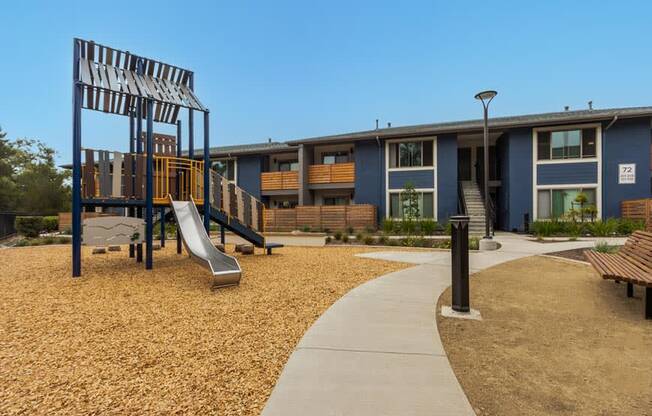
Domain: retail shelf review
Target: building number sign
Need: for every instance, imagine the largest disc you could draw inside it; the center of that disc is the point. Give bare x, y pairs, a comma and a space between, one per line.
626, 173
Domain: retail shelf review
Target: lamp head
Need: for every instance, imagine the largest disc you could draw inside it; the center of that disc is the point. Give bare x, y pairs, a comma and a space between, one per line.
486, 95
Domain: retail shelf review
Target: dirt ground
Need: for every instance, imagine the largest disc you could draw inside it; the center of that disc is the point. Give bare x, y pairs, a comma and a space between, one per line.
555, 339
572, 254
123, 340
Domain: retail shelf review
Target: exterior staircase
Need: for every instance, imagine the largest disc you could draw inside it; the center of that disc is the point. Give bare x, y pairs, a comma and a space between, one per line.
474, 208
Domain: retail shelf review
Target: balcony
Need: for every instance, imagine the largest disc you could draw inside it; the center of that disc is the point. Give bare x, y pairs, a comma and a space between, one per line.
279, 181
335, 173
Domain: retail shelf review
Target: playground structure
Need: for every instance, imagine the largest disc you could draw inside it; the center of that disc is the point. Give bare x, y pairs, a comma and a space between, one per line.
154, 172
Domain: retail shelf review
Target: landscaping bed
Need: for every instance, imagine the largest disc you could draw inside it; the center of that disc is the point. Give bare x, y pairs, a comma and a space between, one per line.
555, 339
124, 340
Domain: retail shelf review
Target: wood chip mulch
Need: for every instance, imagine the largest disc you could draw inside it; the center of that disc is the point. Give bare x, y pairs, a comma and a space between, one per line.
123, 340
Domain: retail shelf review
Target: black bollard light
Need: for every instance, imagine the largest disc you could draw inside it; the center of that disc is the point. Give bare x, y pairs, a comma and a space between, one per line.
460, 262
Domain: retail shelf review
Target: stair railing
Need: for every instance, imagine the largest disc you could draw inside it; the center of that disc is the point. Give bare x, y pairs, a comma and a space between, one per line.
491, 208
461, 200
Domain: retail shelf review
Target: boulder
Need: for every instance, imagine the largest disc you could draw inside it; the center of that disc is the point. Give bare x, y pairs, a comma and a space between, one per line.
115, 248
99, 250
247, 249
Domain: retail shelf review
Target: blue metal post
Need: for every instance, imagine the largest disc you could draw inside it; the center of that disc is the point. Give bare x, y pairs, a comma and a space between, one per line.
131, 211
139, 150
179, 147
149, 186
163, 227
76, 163
207, 176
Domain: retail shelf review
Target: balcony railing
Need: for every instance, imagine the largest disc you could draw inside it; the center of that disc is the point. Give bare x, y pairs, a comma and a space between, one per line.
275, 181
336, 173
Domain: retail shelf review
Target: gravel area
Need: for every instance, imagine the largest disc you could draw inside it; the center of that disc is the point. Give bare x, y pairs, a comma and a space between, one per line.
123, 340
555, 339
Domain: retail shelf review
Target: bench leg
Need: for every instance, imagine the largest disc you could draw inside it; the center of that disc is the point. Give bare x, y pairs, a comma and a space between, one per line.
648, 303
269, 251
630, 290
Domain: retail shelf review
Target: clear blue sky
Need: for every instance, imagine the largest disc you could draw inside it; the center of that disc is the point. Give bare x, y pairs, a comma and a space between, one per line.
286, 70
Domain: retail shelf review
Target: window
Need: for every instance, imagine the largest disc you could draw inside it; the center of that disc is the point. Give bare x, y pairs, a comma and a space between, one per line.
288, 165
225, 168
336, 200
425, 204
334, 157
285, 204
566, 144
410, 154
555, 203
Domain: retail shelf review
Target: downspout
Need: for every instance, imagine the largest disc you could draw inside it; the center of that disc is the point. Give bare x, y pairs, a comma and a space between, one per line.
380, 183
602, 146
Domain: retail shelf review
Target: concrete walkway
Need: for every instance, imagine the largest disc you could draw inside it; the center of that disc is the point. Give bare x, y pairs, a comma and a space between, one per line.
376, 351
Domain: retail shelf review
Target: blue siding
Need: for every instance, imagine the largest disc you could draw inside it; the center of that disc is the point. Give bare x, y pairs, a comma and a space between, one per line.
370, 175
627, 141
446, 177
249, 169
419, 178
567, 173
516, 188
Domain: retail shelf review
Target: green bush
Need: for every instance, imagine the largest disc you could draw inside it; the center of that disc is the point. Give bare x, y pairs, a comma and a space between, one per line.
408, 226
448, 229
383, 240
51, 223
474, 243
305, 228
428, 227
388, 225
328, 239
338, 235
350, 230
359, 237
345, 238
29, 227
604, 247
369, 240
627, 226
603, 228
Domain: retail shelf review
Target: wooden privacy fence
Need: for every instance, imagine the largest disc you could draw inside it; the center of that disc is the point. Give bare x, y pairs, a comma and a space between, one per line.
338, 217
336, 173
638, 209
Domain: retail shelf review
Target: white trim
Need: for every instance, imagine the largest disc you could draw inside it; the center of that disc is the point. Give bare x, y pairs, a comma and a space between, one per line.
597, 159
432, 168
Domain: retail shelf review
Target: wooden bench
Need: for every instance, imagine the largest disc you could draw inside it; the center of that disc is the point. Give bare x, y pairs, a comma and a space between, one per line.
631, 264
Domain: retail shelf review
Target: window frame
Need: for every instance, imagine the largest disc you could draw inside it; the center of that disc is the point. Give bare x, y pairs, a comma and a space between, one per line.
421, 192
230, 160
421, 142
550, 189
581, 156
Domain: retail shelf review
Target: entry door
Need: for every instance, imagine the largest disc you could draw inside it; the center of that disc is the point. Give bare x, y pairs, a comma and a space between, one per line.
464, 164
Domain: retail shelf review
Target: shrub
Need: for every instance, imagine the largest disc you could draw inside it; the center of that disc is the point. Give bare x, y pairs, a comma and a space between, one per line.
448, 229
627, 226
604, 247
350, 230
369, 240
359, 237
474, 243
68, 230
393, 242
428, 227
338, 235
305, 228
50, 223
328, 239
383, 240
345, 238
369, 230
408, 226
603, 228
548, 228
29, 226
388, 225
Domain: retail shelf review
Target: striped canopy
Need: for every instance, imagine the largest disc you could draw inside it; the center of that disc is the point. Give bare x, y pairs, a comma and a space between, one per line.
113, 79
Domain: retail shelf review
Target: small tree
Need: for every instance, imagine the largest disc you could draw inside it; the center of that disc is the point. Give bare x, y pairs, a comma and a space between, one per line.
410, 202
581, 199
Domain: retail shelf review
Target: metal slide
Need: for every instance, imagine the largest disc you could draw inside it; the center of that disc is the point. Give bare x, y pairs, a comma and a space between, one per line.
226, 269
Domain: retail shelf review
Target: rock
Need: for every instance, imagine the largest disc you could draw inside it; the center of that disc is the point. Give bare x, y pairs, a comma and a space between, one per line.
238, 248
247, 249
220, 247
115, 248
99, 250
156, 246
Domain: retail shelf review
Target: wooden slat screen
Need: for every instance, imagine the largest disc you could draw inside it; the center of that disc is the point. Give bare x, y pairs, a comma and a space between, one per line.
271, 181
638, 209
336, 173
338, 217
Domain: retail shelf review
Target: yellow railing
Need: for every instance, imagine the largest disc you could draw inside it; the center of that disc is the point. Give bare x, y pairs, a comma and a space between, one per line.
187, 174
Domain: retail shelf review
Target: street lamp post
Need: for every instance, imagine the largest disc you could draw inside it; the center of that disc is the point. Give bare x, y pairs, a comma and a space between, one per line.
485, 97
